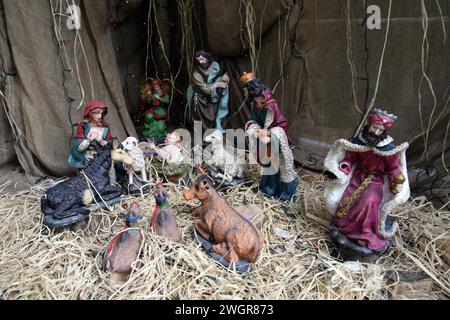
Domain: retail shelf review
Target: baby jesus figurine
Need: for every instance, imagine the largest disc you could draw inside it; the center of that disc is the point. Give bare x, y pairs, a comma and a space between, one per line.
171, 153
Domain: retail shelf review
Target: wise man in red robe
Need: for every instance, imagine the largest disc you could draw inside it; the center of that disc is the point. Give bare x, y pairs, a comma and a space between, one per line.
372, 180
270, 128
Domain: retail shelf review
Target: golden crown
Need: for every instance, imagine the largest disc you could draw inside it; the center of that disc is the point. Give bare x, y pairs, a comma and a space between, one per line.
246, 77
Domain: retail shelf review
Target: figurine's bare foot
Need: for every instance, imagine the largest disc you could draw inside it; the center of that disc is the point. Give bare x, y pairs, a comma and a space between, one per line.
88, 197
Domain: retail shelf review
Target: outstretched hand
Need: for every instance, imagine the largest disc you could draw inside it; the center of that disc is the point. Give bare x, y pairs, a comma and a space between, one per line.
262, 133
396, 187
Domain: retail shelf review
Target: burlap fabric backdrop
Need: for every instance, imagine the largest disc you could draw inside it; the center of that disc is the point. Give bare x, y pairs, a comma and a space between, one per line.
315, 86
36, 94
304, 54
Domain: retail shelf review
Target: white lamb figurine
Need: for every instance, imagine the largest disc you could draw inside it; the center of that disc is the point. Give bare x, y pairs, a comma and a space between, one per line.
130, 145
221, 158
171, 153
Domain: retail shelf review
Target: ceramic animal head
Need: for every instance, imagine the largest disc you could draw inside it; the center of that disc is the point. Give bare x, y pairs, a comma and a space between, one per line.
215, 138
130, 143
132, 212
161, 193
120, 155
201, 189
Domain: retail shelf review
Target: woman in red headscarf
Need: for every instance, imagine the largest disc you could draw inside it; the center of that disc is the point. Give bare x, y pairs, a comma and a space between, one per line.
92, 132
372, 180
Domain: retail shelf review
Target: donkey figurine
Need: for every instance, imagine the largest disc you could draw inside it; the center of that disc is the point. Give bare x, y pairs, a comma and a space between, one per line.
66, 202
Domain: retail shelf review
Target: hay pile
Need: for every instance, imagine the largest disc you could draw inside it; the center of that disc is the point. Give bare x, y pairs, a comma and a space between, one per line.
296, 263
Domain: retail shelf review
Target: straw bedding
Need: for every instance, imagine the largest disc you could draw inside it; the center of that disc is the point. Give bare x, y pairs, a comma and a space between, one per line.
298, 262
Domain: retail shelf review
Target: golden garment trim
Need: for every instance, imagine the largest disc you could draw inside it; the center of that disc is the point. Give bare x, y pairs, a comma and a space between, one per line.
346, 203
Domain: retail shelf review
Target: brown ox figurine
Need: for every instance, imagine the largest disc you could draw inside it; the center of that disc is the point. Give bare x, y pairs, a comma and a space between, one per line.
235, 237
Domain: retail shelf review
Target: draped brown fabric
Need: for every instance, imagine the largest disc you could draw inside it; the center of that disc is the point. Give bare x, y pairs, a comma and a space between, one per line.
304, 51
7, 153
304, 55
36, 94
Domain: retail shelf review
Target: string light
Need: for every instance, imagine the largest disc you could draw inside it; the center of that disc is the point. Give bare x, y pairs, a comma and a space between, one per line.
64, 70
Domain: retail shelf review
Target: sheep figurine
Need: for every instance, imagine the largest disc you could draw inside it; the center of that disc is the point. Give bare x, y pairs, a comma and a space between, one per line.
231, 166
131, 146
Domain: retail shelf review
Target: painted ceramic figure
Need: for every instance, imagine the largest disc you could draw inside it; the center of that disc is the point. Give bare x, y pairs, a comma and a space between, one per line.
172, 151
92, 133
123, 249
208, 92
67, 202
223, 165
155, 100
270, 128
131, 146
170, 159
164, 222
372, 180
224, 232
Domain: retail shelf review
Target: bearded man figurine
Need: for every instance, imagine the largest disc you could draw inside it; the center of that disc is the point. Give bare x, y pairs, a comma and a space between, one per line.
371, 181
269, 137
208, 92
